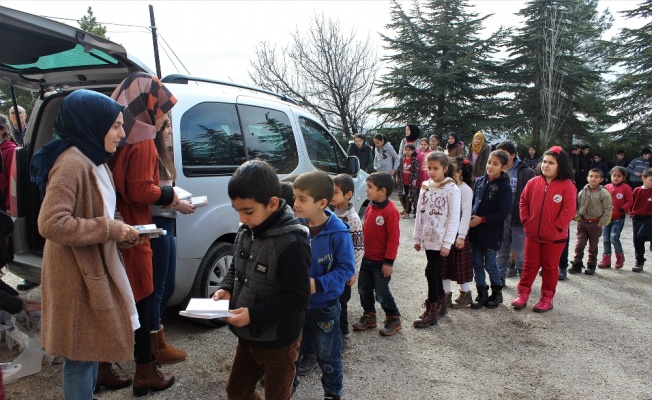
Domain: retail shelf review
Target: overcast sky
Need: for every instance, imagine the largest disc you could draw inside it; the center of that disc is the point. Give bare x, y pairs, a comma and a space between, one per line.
215, 39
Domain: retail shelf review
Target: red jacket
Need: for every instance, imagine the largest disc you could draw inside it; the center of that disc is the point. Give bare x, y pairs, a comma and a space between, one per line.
7, 150
642, 205
621, 199
381, 232
547, 209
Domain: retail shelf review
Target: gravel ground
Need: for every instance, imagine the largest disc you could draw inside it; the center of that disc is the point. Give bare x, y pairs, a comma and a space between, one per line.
595, 344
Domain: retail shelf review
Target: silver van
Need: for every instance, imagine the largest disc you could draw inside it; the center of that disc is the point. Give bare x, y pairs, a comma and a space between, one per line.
217, 126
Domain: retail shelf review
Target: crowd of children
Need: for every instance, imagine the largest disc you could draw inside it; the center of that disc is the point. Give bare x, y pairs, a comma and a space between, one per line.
291, 319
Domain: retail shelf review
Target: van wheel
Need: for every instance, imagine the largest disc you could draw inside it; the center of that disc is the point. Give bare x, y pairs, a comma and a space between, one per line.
211, 271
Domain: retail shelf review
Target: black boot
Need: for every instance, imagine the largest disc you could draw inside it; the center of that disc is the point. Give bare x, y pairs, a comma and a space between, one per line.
590, 269
496, 297
576, 268
483, 297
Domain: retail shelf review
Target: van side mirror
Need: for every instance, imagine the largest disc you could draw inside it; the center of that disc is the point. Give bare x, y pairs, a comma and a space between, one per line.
352, 166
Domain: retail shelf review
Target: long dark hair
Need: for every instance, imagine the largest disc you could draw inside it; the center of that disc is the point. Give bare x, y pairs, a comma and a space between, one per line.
564, 167
462, 164
166, 169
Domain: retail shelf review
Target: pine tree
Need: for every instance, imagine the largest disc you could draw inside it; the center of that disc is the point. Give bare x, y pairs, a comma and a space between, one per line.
89, 23
555, 66
632, 89
441, 72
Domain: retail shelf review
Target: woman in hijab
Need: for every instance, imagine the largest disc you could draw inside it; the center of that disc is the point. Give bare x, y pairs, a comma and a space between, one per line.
136, 174
412, 133
454, 147
479, 154
88, 309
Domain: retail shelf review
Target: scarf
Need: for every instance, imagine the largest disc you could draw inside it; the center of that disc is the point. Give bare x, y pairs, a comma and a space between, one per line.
477, 147
146, 99
455, 144
415, 132
84, 119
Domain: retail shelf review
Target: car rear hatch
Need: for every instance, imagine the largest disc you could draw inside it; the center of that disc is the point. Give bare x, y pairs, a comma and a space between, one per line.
38, 54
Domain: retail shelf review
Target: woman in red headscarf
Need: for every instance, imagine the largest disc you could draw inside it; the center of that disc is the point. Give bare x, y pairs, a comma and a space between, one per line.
547, 207
136, 176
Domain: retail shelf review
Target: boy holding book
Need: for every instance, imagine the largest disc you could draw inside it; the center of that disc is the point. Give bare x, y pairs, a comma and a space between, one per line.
268, 285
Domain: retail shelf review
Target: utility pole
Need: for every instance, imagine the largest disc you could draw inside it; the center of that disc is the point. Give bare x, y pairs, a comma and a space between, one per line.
157, 61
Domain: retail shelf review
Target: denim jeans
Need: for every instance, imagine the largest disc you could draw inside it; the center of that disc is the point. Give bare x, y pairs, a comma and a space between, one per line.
370, 280
164, 269
79, 379
611, 235
513, 242
485, 259
322, 332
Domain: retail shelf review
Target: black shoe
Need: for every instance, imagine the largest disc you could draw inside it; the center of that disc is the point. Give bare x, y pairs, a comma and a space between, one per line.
590, 270
576, 268
307, 364
512, 272
26, 285
502, 280
562, 274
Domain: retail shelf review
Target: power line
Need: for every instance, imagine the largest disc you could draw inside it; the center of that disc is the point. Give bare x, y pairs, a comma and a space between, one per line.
175, 54
101, 23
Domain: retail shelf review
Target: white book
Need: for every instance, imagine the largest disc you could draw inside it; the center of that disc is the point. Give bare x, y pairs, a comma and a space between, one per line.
149, 230
181, 193
199, 201
206, 309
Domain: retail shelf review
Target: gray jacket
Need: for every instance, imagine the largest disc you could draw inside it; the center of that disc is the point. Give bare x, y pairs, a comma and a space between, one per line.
386, 158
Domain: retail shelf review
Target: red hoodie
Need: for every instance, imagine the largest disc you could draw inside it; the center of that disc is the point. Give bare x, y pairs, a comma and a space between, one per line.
547, 209
621, 199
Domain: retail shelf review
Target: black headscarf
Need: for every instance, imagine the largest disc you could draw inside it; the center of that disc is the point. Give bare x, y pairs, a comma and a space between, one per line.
415, 132
84, 119
456, 143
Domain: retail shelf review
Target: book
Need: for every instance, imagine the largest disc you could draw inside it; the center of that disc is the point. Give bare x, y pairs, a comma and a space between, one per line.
181, 193
199, 201
206, 309
149, 230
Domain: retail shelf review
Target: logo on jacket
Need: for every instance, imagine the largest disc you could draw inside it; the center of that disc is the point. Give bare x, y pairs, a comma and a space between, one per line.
619, 196
380, 221
557, 198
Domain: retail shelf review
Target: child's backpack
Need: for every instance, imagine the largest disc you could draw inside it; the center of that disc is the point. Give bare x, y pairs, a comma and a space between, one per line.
6, 245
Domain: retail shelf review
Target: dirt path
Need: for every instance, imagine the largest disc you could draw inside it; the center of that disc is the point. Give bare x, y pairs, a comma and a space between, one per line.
595, 344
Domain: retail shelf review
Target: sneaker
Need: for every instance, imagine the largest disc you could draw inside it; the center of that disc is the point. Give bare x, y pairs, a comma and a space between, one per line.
590, 270
26, 285
576, 268
392, 325
307, 364
638, 267
367, 321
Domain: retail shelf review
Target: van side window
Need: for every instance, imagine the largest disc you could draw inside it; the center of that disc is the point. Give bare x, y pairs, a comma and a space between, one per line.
210, 136
268, 136
323, 150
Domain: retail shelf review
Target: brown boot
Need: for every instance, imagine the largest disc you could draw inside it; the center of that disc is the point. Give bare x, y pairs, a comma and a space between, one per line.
148, 377
429, 316
463, 300
110, 378
164, 352
443, 304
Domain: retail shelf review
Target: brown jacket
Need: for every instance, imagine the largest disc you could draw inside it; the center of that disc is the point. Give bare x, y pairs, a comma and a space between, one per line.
84, 315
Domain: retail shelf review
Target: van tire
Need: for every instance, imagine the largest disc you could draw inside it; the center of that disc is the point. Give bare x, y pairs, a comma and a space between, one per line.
212, 269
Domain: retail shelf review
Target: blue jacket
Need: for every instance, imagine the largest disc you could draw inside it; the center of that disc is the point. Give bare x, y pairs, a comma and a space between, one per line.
333, 262
492, 200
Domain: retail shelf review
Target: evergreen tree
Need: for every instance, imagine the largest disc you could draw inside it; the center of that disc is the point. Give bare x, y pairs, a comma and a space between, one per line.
632, 89
554, 69
89, 23
441, 73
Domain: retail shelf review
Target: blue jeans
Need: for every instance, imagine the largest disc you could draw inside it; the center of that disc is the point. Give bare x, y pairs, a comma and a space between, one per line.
611, 235
79, 379
370, 280
164, 263
485, 259
322, 332
513, 242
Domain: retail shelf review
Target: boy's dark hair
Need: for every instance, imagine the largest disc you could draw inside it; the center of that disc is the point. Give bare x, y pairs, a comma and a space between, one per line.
647, 172
621, 152
584, 147
596, 155
317, 184
411, 146
646, 151
564, 167
507, 146
345, 183
575, 147
598, 170
382, 180
255, 179
287, 193
462, 164
501, 155
443, 159
620, 169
